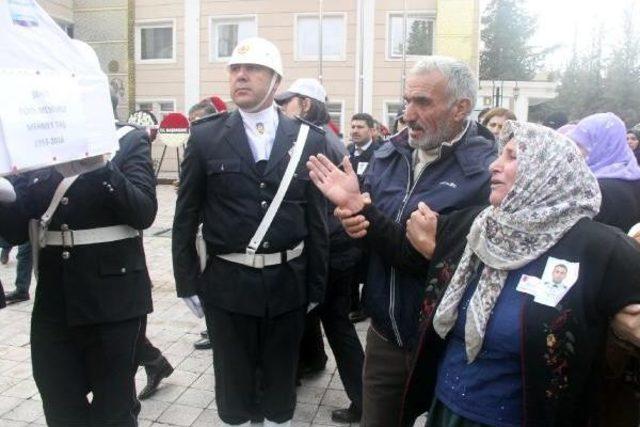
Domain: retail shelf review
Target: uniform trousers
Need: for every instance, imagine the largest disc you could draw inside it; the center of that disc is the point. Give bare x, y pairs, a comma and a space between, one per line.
71, 361
255, 354
146, 353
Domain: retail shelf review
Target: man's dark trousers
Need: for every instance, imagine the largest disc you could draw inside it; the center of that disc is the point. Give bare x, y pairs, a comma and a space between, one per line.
98, 357
244, 342
146, 353
341, 334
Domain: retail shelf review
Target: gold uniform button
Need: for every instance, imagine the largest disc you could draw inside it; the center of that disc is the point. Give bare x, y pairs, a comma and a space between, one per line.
263, 185
64, 201
266, 245
66, 255
264, 204
123, 270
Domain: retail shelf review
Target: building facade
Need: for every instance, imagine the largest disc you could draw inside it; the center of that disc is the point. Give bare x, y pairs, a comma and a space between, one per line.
182, 46
166, 55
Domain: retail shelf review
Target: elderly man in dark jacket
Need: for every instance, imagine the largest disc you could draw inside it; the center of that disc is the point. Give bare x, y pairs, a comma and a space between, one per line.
441, 159
93, 289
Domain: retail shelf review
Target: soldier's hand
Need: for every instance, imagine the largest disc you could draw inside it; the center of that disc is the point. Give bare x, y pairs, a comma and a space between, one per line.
194, 305
626, 324
421, 230
341, 188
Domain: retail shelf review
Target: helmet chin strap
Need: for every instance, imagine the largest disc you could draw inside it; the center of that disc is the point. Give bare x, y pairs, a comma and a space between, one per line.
260, 105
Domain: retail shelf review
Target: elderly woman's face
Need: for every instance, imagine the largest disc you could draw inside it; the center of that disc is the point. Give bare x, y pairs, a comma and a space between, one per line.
503, 173
632, 140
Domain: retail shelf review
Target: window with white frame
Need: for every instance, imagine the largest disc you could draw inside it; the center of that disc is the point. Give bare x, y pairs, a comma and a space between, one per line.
336, 112
156, 42
157, 108
419, 36
308, 37
390, 111
226, 32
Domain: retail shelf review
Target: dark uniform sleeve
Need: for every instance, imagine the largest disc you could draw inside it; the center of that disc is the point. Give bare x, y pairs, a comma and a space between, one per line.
621, 280
186, 265
14, 217
130, 182
317, 244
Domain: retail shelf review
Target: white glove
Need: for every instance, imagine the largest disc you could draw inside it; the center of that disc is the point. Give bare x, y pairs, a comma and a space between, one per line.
311, 306
77, 167
194, 305
7, 193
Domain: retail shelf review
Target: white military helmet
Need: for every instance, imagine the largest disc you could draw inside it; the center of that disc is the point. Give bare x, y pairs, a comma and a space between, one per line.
259, 51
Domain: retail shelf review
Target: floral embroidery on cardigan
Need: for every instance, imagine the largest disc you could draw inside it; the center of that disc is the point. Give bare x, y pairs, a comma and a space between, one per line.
560, 346
435, 288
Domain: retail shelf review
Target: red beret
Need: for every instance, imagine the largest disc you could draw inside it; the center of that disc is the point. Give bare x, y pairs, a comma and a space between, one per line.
218, 103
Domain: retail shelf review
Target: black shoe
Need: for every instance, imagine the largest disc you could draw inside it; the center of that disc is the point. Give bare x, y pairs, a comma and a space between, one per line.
346, 416
4, 256
358, 316
204, 334
202, 344
156, 372
16, 296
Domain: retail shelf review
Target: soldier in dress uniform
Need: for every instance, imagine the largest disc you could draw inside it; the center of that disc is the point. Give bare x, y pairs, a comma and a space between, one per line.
93, 286
254, 295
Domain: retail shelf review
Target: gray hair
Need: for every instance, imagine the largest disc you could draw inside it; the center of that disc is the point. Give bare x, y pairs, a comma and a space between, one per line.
461, 83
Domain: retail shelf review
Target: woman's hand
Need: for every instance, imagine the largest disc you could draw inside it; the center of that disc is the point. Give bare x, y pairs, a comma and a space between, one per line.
341, 188
626, 324
355, 225
421, 230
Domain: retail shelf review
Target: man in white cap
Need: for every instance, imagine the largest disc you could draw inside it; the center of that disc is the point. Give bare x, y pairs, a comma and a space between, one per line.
264, 225
306, 98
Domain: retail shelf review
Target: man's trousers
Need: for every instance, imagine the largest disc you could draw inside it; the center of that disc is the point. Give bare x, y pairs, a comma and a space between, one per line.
71, 361
245, 345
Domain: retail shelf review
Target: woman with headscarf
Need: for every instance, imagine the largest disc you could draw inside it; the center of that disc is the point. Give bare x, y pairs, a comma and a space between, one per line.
602, 139
515, 314
633, 140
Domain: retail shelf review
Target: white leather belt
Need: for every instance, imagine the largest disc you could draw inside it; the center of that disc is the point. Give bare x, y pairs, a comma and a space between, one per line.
264, 260
70, 238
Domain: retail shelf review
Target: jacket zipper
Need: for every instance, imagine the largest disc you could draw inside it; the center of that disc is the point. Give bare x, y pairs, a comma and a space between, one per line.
392, 283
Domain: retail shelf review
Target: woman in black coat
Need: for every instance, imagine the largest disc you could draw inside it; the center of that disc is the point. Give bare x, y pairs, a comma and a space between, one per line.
601, 137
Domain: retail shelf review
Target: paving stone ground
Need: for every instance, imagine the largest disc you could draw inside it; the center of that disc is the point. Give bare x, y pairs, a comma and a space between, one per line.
187, 397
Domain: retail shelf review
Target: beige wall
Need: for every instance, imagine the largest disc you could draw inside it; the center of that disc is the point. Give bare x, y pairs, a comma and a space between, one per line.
276, 22
456, 33
58, 9
162, 81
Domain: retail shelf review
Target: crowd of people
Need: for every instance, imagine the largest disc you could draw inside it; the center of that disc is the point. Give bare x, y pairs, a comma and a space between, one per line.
491, 256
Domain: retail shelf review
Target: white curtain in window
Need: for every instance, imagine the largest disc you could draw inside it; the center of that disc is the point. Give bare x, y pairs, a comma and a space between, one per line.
333, 37
229, 33
156, 43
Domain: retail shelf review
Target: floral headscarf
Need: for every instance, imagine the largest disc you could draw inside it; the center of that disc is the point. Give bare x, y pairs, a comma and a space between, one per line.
553, 189
604, 137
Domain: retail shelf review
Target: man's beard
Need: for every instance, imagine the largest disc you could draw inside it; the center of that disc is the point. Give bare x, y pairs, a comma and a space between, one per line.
432, 140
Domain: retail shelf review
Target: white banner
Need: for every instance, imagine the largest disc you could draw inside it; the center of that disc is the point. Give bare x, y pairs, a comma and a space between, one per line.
55, 105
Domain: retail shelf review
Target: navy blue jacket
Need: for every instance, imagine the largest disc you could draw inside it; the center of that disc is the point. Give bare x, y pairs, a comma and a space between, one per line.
458, 179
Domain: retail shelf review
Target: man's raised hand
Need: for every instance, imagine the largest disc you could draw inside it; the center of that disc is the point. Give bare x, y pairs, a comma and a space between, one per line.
341, 188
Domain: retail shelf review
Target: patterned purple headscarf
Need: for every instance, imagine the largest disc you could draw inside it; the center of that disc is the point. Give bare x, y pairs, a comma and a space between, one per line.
604, 137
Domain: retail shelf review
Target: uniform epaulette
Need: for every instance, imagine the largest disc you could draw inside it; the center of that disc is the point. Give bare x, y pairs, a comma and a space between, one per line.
311, 125
209, 118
